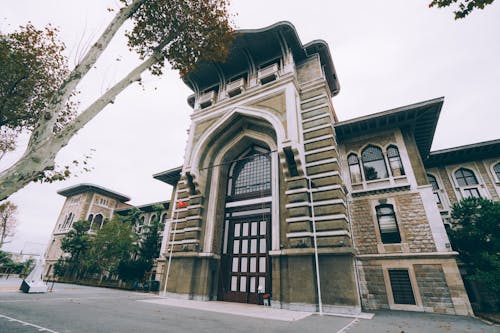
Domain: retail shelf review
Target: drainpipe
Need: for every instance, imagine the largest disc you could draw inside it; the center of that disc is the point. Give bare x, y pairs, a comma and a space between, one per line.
356, 268
318, 283
171, 251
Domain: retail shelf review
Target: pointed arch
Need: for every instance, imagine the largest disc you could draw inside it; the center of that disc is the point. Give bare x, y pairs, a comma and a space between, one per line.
193, 161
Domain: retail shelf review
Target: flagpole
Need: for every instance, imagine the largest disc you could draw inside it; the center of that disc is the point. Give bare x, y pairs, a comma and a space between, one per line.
171, 251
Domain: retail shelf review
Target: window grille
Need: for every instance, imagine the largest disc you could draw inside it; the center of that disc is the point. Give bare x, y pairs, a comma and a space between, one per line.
252, 174
402, 291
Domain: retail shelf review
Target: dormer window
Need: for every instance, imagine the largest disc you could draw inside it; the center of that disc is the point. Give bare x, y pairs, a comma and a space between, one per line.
235, 87
268, 73
206, 99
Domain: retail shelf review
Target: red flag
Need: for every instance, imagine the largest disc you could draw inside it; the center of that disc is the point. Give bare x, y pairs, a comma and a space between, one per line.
181, 204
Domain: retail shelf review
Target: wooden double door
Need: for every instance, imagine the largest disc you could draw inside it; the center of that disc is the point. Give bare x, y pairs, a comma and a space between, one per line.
245, 265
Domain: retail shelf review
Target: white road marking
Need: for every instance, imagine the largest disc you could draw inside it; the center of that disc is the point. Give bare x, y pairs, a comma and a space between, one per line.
40, 328
343, 329
132, 297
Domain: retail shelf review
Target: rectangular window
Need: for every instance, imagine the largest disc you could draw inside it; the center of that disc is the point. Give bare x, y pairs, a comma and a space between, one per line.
388, 225
401, 286
471, 193
355, 173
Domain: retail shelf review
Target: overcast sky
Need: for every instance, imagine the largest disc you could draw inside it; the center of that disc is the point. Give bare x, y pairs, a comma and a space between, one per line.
387, 54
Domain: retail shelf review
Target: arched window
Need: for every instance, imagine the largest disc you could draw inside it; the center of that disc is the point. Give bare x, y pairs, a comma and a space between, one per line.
152, 219
373, 163
90, 218
467, 182
433, 181
395, 161
496, 169
435, 188
97, 223
251, 175
354, 168
388, 225
164, 218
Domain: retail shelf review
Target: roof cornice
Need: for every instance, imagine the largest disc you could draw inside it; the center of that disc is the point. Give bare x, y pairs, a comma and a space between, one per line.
421, 117
87, 187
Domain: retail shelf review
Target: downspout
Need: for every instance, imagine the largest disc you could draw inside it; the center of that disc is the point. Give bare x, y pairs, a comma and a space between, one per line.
356, 269
316, 259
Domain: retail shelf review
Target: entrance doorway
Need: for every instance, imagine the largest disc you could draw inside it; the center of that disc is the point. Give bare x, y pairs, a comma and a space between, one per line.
245, 262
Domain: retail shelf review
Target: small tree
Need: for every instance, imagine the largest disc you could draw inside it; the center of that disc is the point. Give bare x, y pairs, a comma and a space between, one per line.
150, 244
112, 243
464, 7
148, 249
76, 243
8, 220
476, 236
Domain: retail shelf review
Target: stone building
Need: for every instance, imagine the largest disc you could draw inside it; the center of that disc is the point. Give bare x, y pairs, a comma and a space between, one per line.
269, 172
97, 205
280, 197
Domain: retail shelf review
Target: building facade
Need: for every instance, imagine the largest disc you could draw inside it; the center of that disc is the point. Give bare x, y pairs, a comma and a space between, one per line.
277, 196
97, 205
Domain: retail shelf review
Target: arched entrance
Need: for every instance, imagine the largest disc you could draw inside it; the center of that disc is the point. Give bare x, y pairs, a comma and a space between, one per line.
245, 262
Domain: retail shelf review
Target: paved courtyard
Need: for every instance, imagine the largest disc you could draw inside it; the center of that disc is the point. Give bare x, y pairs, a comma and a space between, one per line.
73, 308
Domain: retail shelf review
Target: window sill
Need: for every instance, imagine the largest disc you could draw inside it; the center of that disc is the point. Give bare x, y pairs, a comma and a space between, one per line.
386, 189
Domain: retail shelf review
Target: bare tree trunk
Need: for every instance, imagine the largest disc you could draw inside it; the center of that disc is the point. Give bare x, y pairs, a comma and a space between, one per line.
44, 145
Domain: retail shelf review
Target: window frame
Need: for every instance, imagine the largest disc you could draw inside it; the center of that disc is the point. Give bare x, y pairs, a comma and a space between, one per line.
383, 236
413, 280
383, 159
235, 171
436, 189
358, 164
396, 158
496, 173
467, 187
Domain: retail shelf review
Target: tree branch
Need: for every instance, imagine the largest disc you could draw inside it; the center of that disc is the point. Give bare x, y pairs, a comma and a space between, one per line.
40, 156
108, 97
46, 122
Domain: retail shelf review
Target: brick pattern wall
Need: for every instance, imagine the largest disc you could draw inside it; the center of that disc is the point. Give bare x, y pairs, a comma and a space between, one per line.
188, 230
372, 287
363, 229
414, 224
486, 175
448, 186
433, 288
321, 165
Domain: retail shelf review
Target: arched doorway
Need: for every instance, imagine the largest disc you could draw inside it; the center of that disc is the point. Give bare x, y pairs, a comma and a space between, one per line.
245, 262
